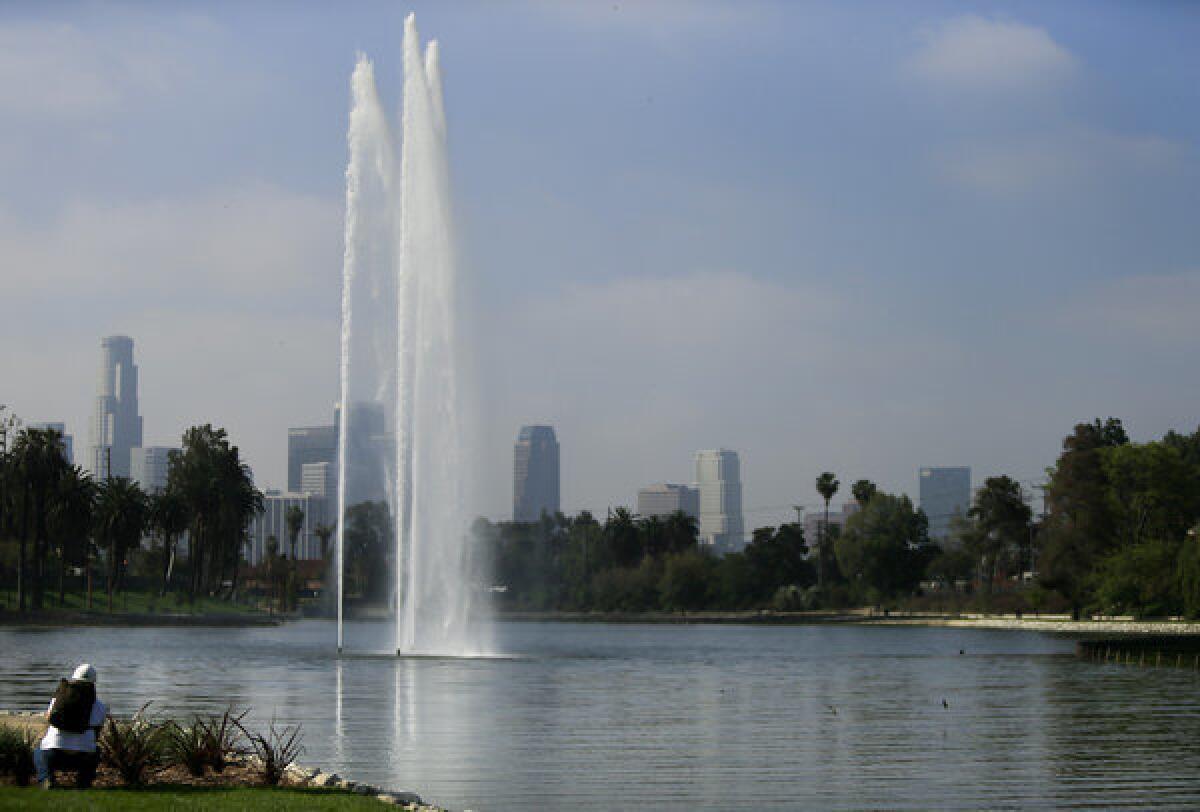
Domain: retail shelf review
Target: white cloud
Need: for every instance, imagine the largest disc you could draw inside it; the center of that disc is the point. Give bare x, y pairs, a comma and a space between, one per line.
1162, 309
1073, 157
974, 54
60, 71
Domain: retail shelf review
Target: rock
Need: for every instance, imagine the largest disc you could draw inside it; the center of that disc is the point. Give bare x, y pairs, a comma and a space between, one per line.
408, 798
326, 780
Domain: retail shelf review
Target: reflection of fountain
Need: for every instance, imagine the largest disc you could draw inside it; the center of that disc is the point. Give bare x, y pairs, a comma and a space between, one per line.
402, 356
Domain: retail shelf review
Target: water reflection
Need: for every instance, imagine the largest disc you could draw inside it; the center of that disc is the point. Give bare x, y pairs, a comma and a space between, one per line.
676, 718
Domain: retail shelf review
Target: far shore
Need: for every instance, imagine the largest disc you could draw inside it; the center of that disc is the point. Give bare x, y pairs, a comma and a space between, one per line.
54, 618
1057, 624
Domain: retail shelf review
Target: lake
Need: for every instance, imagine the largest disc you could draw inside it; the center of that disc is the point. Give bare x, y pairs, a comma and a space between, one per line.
600, 716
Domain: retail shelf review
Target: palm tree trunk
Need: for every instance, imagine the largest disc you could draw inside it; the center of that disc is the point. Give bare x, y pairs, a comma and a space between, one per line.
22, 554
168, 548
62, 573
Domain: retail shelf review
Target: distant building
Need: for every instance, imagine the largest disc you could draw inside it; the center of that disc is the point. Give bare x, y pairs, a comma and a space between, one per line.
370, 453
667, 499
814, 519
945, 494
273, 522
535, 473
68, 440
309, 444
318, 479
116, 426
148, 467
718, 480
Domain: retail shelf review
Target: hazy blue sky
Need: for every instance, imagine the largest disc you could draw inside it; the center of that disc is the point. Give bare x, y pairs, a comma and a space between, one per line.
860, 237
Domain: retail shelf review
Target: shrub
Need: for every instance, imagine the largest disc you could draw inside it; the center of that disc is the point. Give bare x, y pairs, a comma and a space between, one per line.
186, 746
222, 738
16, 753
134, 748
276, 750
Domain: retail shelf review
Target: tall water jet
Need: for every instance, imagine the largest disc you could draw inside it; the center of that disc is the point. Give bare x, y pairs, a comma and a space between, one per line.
403, 434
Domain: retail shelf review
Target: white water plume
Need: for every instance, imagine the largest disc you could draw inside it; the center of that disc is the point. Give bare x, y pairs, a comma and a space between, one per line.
403, 433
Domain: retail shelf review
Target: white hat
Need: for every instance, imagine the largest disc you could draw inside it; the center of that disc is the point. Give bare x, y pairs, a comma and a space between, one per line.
85, 673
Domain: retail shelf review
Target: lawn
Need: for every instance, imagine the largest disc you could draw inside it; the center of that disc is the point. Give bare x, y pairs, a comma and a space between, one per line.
136, 602
185, 797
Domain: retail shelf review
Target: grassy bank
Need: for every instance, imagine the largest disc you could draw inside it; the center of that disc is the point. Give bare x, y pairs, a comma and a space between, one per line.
133, 608
186, 797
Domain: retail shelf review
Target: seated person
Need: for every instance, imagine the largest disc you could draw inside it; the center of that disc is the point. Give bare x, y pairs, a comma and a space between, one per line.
76, 716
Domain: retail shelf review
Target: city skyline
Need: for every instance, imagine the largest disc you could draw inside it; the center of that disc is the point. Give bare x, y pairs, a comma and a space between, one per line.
858, 256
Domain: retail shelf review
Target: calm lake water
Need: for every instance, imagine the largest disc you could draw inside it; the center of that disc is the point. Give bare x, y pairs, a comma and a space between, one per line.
592, 716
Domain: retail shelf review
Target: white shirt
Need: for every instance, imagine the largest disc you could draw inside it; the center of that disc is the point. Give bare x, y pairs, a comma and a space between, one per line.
84, 742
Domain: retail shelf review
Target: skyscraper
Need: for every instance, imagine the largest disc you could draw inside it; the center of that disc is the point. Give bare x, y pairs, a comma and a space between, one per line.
116, 425
148, 467
666, 499
535, 473
718, 478
309, 444
945, 493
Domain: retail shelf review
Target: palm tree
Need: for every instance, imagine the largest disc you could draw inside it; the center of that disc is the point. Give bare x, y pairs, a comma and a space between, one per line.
71, 522
294, 518
827, 486
323, 532
40, 460
169, 519
122, 511
863, 490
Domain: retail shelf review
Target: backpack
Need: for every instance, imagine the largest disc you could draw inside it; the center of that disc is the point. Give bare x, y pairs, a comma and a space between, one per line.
72, 708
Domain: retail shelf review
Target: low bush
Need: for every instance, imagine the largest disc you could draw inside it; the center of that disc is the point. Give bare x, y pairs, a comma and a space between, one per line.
16, 753
135, 748
222, 738
275, 750
186, 746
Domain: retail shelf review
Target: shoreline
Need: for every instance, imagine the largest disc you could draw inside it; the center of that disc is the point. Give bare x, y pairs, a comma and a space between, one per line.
1053, 624
54, 619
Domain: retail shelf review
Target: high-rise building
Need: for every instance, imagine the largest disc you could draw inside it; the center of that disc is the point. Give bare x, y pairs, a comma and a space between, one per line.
667, 499
535, 473
273, 522
718, 479
67, 439
945, 494
148, 467
309, 444
318, 479
116, 425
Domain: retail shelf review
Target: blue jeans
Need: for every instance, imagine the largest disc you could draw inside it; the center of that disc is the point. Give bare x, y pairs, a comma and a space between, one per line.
48, 762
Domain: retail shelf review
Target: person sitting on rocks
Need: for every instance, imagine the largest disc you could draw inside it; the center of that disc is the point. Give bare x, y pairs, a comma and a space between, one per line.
75, 716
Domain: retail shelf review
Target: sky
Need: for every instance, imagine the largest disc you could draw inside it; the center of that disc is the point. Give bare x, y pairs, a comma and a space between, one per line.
859, 237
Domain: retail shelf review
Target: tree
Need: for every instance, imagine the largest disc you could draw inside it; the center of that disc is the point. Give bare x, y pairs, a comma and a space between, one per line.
122, 513
827, 486
884, 548
294, 519
1078, 530
40, 462
863, 490
999, 527
168, 520
368, 538
71, 521
686, 579
621, 535
777, 558
323, 532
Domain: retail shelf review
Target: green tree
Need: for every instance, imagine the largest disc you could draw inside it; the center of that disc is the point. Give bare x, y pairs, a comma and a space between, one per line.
621, 535
71, 521
863, 490
293, 517
884, 548
368, 538
39, 460
122, 513
777, 558
999, 527
323, 532
827, 486
686, 580
168, 521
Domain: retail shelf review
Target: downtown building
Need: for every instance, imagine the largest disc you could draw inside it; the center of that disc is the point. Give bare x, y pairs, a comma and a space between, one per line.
273, 522
149, 466
535, 474
667, 499
945, 495
718, 480
116, 427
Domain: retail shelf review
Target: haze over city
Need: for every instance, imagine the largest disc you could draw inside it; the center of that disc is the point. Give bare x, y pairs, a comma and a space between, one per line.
829, 239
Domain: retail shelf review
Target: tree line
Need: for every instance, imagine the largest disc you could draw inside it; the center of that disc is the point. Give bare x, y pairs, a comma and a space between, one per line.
63, 520
1118, 536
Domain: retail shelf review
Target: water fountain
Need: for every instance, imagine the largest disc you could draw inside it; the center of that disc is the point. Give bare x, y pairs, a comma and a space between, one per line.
404, 432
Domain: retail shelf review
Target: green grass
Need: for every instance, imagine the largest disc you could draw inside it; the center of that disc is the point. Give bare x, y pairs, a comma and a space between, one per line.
184, 797
138, 602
